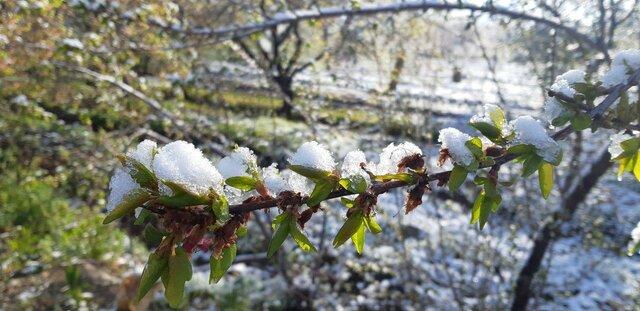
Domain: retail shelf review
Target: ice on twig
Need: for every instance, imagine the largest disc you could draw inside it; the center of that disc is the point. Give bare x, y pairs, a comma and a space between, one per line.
313, 155
180, 162
454, 141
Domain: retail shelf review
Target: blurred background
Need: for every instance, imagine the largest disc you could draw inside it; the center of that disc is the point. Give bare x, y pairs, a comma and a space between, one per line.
83, 80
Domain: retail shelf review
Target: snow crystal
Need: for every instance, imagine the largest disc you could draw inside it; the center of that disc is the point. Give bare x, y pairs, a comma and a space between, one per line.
614, 148
181, 163
120, 185
314, 155
530, 131
144, 152
454, 140
485, 115
273, 181
239, 163
623, 61
392, 155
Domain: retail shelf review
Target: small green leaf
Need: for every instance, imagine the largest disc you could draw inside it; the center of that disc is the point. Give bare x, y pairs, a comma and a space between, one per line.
457, 177
406, 177
348, 203
545, 177
152, 235
475, 146
488, 130
220, 265
129, 202
497, 117
622, 167
358, 238
154, 268
142, 217
244, 183
280, 235
479, 180
521, 149
299, 237
320, 192
220, 208
140, 173
311, 173
581, 121
631, 145
477, 207
354, 184
175, 276
348, 229
372, 225
589, 90
562, 119
636, 166
531, 164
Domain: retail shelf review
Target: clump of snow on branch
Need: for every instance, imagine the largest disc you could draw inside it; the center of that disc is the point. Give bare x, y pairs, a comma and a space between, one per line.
530, 131
144, 152
614, 148
239, 163
277, 182
392, 155
180, 162
351, 165
563, 85
314, 155
485, 115
454, 141
635, 239
623, 63
122, 183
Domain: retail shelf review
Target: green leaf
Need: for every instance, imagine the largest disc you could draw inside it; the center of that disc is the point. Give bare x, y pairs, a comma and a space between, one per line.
477, 207
562, 119
354, 184
142, 217
479, 180
497, 117
488, 130
521, 149
220, 265
244, 183
299, 237
581, 121
311, 173
348, 229
220, 208
129, 202
152, 235
372, 225
545, 177
636, 166
457, 177
154, 268
140, 173
589, 90
358, 238
348, 203
531, 164
475, 146
624, 163
173, 278
320, 192
406, 177
282, 231
631, 145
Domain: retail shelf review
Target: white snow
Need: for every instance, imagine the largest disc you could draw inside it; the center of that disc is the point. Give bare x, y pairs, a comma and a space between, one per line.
530, 131
239, 163
120, 185
144, 152
623, 62
181, 163
635, 235
454, 140
314, 155
273, 181
572, 76
563, 87
553, 109
351, 165
485, 115
392, 155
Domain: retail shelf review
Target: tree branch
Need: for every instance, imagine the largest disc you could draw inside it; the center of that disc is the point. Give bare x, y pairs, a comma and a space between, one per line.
379, 188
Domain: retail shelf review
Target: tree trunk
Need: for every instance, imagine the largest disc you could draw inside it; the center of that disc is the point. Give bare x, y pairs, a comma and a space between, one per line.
287, 110
549, 231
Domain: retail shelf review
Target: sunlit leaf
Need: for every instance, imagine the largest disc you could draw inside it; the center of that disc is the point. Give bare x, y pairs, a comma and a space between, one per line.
129, 202
221, 264
545, 177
